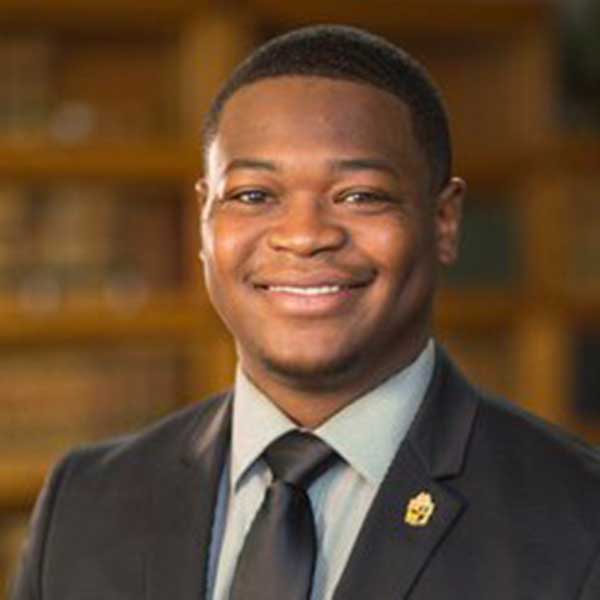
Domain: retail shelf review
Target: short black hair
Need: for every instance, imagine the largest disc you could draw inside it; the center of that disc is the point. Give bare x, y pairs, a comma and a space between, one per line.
349, 53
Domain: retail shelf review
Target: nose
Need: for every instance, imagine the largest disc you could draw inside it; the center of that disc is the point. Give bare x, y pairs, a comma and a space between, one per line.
306, 229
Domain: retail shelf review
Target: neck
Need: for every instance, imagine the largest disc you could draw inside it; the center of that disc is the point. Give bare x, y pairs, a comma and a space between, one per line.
310, 402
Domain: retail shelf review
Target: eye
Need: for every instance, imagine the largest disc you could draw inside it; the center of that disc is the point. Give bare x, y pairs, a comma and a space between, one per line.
251, 197
364, 197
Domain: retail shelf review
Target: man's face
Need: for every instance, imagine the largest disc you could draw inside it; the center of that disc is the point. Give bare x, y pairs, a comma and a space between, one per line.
320, 232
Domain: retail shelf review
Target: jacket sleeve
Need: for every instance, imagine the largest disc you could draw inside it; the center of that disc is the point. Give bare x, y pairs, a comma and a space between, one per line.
28, 581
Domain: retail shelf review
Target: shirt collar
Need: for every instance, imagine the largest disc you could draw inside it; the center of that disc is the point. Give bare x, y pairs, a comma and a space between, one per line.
257, 421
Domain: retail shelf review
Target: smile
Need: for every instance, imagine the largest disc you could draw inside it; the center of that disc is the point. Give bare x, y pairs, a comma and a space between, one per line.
311, 298
321, 290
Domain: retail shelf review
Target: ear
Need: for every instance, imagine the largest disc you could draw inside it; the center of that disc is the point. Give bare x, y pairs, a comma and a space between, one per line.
201, 188
448, 215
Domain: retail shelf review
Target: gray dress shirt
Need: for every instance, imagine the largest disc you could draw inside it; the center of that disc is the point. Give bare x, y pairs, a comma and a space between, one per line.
367, 434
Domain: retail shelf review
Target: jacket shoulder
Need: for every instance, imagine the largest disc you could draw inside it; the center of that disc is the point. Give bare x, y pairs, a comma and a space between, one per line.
521, 436
137, 456
98, 491
536, 469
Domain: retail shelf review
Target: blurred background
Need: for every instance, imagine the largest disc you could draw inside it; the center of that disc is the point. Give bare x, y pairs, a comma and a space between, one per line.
104, 324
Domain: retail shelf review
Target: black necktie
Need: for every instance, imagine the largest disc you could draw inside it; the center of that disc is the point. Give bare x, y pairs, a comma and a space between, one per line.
278, 557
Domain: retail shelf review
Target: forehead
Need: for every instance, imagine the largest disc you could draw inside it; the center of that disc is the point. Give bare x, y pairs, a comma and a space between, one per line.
287, 116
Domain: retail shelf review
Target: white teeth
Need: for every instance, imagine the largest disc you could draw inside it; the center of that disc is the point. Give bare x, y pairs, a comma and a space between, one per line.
306, 291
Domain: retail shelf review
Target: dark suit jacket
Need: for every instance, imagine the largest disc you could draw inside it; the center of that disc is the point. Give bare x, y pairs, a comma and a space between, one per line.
517, 511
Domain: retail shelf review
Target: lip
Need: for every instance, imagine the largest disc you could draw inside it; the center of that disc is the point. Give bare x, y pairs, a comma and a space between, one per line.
316, 294
313, 279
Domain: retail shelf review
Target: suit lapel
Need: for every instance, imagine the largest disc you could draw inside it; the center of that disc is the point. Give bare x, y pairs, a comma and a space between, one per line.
389, 553
183, 503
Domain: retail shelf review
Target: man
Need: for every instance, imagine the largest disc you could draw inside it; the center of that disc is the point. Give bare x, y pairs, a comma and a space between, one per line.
327, 206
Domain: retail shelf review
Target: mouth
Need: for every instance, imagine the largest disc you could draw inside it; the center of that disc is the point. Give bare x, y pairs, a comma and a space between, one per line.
312, 295
325, 289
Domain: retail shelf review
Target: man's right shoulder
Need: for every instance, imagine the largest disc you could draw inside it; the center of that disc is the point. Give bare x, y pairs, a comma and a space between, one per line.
137, 456
97, 492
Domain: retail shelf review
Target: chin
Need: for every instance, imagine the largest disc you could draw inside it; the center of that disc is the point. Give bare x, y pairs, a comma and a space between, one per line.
312, 371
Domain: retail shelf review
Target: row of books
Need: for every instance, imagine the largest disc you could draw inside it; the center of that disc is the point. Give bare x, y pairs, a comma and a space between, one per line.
71, 90
87, 238
54, 399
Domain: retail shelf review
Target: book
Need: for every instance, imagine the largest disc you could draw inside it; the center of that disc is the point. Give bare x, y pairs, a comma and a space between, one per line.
122, 84
151, 235
72, 90
26, 85
76, 234
15, 238
115, 242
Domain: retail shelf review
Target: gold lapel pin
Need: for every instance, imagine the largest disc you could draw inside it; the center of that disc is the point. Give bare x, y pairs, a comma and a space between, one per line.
419, 510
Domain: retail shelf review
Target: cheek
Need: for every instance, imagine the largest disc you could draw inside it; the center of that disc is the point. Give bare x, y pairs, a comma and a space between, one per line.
225, 246
403, 254
391, 249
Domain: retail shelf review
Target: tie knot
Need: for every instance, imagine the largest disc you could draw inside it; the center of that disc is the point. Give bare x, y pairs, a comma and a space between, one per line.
299, 458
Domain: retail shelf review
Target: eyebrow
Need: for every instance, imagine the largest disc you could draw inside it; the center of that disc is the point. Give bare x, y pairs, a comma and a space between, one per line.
364, 164
349, 164
250, 163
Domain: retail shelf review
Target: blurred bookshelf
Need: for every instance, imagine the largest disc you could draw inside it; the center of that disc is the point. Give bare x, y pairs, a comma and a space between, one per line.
104, 323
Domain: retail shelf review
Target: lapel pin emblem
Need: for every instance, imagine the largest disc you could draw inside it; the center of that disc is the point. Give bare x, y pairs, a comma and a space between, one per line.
419, 510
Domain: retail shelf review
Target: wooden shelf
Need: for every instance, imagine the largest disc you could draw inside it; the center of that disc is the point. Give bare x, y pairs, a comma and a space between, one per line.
184, 317
578, 153
93, 320
172, 161
569, 153
91, 15
431, 17
21, 478
169, 160
584, 306
496, 168
155, 160
475, 309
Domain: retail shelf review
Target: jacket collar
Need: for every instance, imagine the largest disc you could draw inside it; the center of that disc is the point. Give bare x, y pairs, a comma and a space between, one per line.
391, 552
183, 504
441, 430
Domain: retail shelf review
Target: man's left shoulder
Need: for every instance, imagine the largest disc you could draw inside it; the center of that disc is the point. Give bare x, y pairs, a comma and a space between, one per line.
535, 451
